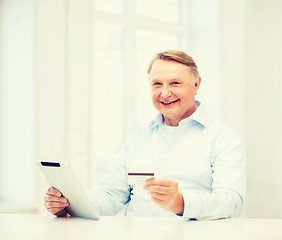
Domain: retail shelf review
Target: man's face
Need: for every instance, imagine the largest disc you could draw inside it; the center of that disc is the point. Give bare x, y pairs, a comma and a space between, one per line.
173, 90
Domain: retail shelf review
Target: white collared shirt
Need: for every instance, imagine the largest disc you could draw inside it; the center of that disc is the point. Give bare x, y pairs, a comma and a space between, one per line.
205, 157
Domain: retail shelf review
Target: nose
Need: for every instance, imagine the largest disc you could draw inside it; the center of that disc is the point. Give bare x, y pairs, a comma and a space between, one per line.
166, 93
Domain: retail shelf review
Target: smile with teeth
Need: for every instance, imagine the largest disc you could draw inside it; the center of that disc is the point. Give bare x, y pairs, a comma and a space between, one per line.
168, 103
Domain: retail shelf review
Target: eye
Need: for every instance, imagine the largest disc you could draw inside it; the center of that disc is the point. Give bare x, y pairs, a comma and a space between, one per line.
157, 84
175, 83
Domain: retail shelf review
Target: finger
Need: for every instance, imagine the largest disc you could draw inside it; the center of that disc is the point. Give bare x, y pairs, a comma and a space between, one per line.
158, 201
49, 205
51, 198
55, 192
157, 189
159, 181
161, 197
63, 213
55, 211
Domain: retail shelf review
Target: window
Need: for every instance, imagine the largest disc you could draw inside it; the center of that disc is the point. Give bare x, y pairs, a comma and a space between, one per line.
127, 34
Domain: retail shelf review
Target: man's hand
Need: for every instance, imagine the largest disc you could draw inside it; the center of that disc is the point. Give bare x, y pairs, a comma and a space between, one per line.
55, 203
165, 193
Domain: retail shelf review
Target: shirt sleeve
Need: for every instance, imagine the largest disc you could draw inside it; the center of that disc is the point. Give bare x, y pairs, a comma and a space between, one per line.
113, 192
226, 199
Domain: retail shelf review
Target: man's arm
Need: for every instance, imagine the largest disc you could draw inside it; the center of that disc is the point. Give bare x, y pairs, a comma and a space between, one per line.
226, 197
111, 194
224, 200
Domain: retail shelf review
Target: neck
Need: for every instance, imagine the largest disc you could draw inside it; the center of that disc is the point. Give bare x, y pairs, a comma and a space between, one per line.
175, 122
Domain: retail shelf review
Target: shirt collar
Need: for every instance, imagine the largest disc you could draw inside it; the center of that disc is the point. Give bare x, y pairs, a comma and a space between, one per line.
200, 116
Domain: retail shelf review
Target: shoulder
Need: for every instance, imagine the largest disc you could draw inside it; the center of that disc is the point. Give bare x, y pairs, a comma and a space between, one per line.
223, 136
224, 129
215, 126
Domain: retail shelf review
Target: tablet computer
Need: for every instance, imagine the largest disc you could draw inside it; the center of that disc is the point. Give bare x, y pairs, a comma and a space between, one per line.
60, 176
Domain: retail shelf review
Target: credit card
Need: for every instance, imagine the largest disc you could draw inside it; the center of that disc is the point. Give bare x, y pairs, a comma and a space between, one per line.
138, 178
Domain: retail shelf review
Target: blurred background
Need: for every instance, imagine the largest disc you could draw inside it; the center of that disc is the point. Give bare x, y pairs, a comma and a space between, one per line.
73, 85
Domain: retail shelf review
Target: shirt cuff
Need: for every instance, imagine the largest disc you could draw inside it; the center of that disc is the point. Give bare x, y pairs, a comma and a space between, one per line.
193, 205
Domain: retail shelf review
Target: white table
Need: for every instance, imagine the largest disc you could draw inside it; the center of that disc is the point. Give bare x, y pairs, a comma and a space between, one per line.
31, 227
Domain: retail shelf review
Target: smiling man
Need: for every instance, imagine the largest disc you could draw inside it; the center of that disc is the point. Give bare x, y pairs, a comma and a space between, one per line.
174, 88
197, 163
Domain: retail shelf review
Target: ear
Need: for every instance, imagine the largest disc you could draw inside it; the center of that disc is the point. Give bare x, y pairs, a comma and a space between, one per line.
197, 84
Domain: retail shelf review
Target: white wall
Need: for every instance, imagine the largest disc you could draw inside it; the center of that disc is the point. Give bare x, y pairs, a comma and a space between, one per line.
264, 111
250, 84
17, 102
